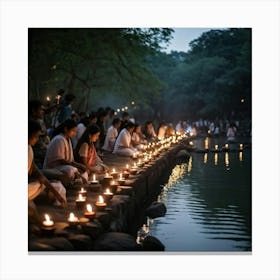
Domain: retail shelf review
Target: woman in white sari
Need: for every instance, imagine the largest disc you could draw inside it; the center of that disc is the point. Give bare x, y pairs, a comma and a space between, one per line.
60, 152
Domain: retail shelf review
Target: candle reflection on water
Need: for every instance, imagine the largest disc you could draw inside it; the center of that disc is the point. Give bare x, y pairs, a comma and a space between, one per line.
216, 158
227, 160
240, 156
205, 158
190, 166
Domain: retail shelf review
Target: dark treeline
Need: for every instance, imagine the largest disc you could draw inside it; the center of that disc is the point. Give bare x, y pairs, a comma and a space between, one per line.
115, 66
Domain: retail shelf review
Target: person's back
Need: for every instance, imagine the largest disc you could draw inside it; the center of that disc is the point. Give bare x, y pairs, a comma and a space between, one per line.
65, 111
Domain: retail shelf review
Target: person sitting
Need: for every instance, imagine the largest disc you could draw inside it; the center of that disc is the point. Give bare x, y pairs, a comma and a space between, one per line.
60, 152
149, 131
64, 112
124, 120
123, 144
170, 131
37, 182
36, 112
161, 131
137, 138
231, 132
112, 135
81, 127
86, 154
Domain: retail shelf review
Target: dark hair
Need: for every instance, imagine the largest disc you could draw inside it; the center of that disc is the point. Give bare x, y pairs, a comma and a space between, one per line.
125, 114
69, 124
102, 113
33, 127
136, 125
130, 125
115, 121
33, 106
69, 98
91, 130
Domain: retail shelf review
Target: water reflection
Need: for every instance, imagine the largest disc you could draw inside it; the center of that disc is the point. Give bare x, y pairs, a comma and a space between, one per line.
205, 158
208, 205
216, 157
227, 160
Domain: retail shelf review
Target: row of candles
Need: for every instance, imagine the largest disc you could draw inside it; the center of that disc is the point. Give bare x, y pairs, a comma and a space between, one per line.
114, 178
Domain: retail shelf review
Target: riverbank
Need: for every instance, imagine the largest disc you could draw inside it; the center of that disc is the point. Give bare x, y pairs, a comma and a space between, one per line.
109, 229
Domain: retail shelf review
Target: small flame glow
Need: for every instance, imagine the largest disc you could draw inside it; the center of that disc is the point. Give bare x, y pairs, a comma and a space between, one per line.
100, 199
89, 208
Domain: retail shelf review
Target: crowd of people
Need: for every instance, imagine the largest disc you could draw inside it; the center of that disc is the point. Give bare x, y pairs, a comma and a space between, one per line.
74, 144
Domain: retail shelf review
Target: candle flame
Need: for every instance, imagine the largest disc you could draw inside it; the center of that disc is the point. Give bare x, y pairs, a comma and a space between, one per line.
82, 190
100, 199
71, 216
107, 191
107, 174
89, 208
216, 147
81, 197
113, 170
47, 217
94, 177
120, 176
127, 166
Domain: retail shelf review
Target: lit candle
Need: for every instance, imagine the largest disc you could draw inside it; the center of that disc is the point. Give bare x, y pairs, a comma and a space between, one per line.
89, 213
226, 146
48, 98
80, 201
191, 143
241, 146
100, 204
83, 192
72, 219
216, 147
94, 181
48, 222
108, 195
121, 180
114, 173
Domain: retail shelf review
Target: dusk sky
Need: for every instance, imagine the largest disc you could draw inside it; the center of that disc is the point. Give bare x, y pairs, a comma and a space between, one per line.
183, 36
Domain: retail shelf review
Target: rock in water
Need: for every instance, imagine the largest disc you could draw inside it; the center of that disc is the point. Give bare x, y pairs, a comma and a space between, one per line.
156, 209
151, 243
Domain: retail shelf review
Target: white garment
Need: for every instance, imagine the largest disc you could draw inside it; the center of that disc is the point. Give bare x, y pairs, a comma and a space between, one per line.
60, 148
161, 132
231, 133
35, 188
80, 130
122, 145
110, 139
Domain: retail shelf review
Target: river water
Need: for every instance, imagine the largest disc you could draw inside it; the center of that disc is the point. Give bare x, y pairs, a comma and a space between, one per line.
208, 200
